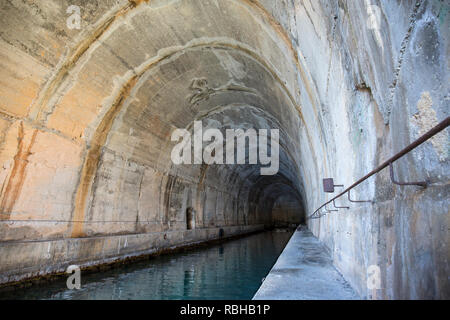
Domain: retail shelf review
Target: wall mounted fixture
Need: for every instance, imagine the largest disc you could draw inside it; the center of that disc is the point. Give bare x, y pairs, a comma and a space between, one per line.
329, 183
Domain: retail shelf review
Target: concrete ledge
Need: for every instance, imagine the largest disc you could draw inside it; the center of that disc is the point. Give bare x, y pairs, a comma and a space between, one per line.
304, 271
21, 260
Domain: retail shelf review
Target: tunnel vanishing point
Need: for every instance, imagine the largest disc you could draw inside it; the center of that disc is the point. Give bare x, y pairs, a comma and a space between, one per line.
89, 100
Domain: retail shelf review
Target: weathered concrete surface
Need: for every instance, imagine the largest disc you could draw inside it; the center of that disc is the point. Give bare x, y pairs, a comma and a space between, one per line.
380, 78
86, 117
305, 271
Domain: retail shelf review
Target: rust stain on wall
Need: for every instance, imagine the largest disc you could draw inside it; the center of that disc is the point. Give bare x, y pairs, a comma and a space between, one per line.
92, 159
17, 177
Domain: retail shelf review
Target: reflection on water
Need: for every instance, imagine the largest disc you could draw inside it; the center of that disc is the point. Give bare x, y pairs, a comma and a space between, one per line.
232, 270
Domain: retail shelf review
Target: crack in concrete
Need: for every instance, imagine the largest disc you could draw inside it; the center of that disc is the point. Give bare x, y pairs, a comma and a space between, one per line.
405, 42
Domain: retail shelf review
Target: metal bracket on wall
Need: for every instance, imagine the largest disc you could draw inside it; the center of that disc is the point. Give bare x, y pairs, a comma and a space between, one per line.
422, 184
358, 201
337, 207
331, 210
329, 183
320, 215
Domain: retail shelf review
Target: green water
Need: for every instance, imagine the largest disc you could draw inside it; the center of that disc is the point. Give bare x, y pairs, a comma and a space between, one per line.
232, 271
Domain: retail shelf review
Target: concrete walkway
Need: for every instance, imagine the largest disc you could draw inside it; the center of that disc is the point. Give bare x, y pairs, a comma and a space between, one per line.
304, 271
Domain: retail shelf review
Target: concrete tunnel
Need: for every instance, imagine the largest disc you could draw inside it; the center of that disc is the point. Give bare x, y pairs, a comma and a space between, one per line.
86, 117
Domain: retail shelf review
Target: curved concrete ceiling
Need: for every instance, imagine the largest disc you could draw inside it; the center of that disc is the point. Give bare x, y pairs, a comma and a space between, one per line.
134, 86
144, 68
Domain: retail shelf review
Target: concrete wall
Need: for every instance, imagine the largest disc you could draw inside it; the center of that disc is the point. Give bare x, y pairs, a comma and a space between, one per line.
86, 118
380, 81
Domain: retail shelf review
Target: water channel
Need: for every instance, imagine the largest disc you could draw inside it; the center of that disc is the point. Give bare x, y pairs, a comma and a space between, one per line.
231, 270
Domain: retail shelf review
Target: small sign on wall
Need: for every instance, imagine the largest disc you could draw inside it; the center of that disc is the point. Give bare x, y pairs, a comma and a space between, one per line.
328, 185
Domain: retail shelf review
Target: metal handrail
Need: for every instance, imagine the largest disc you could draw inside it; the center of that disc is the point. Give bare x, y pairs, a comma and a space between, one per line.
440, 127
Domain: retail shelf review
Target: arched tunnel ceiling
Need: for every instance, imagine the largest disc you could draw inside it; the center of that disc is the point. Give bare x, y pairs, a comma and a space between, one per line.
153, 73
134, 72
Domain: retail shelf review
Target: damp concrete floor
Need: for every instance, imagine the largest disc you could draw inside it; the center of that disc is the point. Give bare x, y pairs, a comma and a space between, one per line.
304, 271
